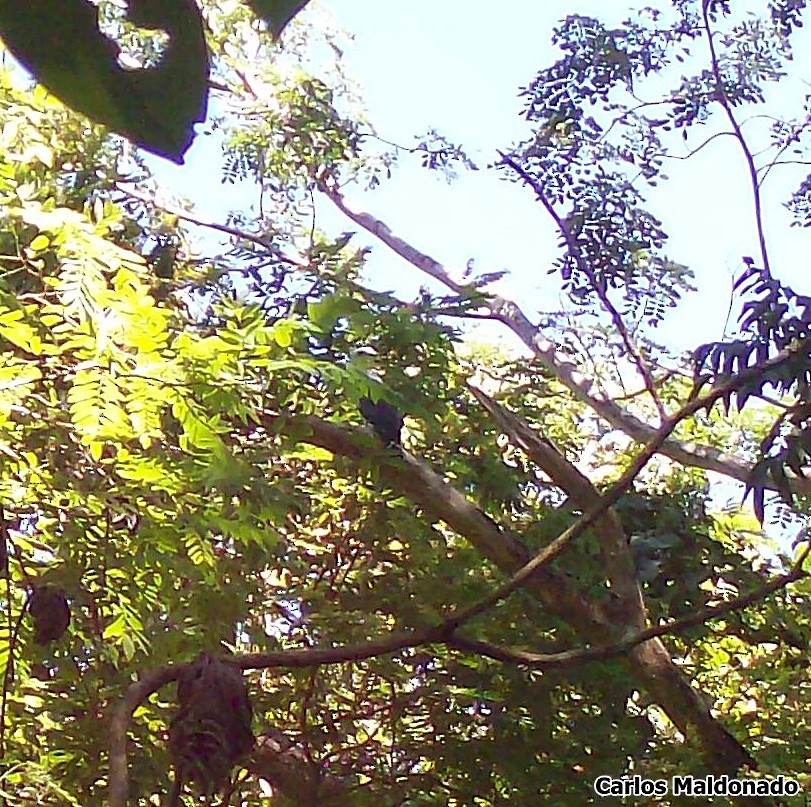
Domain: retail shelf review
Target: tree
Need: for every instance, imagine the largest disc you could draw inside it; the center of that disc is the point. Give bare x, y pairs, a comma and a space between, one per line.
478, 617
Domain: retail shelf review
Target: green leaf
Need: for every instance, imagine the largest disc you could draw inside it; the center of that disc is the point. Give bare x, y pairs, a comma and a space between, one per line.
18, 332
283, 333
39, 243
60, 43
116, 628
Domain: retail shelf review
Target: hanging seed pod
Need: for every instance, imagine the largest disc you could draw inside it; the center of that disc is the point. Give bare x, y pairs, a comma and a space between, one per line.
50, 612
212, 729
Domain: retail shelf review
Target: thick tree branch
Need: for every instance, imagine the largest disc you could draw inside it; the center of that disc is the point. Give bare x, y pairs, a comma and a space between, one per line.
415, 479
510, 315
650, 662
614, 546
554, 548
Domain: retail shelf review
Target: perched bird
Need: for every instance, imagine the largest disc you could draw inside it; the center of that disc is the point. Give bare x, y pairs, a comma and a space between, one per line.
384, 419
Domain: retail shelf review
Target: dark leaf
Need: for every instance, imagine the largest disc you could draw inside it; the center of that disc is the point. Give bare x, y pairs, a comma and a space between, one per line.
60, 43
277, 13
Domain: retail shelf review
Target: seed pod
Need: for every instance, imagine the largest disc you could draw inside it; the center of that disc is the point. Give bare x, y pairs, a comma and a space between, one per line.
50, 612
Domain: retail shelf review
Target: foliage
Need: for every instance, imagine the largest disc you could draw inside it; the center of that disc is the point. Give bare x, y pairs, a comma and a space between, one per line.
594, 143
774, 322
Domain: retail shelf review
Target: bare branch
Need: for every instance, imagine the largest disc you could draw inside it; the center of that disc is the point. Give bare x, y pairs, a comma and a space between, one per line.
599, 288
235, 232
739, 136
698, 148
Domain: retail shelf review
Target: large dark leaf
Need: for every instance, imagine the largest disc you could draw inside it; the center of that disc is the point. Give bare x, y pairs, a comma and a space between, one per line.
60, 43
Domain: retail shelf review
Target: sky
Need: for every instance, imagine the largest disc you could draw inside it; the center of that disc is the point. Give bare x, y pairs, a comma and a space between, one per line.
457, 65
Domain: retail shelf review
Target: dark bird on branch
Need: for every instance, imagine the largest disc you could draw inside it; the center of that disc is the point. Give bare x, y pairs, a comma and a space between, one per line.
384, 419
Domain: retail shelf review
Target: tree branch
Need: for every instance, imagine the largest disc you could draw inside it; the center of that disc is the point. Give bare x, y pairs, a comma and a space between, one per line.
510, 315
653, 665
573, 657
225, 229
649, 662
553, 549
599, 288
614, 546
268, 760
292, 659
739, 136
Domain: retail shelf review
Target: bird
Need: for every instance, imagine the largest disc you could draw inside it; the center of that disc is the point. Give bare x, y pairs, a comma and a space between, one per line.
383, 418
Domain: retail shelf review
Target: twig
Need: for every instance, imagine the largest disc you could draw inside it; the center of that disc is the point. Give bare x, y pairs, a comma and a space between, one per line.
236, 232
783, 162
698, 148
599, 288
747, 152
